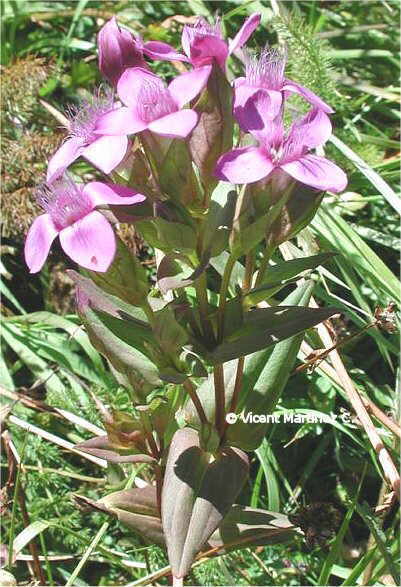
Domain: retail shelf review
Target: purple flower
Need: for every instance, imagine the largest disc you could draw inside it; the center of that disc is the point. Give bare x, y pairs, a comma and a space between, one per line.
151, 105
105, 152
288, 153
85, 234
118, 50
265, 74
203, 42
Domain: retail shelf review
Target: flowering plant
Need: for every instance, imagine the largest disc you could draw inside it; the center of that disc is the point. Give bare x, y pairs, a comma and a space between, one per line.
207, 170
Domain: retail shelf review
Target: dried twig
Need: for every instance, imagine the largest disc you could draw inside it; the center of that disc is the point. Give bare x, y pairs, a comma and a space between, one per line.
33, 548
389, 469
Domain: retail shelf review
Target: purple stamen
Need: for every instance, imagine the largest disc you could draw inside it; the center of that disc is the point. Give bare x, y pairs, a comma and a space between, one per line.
64, 201
154, 101
83, 118
267, 70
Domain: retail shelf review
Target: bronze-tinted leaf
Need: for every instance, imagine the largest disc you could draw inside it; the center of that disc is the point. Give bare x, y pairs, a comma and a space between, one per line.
198, 491
244, 527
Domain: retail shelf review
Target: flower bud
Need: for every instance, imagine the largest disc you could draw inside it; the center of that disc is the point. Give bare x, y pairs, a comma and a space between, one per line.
118, 49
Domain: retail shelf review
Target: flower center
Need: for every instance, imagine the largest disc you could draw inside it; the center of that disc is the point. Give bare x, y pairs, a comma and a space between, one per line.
267, 70
83, 118
154, 101
64, 201
202, 28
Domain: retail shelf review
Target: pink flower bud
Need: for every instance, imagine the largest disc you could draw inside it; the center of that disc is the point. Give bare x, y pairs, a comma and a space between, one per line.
118, 49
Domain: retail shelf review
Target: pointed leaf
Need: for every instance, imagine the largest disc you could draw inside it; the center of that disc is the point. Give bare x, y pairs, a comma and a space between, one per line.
267, 326
197, 494
168, 236
245, 527
281, 274
135, 508
267, 375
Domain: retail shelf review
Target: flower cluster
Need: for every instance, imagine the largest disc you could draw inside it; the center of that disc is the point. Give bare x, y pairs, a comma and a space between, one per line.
139, 102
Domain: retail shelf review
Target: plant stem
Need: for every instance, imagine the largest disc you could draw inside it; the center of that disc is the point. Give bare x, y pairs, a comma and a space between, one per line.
220, 400
269, 250
249, 265
189, 386
225, 284
14, 508
150, 315
201, 296
103, 529
247, 283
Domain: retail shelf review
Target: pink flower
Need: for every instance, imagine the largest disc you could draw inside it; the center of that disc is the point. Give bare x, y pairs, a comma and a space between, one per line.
105, 152
288, 153
85, 234
203, 43
118, 50
153, 106
266, 74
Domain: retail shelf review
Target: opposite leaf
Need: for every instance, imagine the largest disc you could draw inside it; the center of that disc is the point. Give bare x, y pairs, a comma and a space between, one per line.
197, 493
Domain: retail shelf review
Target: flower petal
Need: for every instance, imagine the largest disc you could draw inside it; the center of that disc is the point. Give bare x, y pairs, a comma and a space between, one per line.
177, 124
309, 96
131, 82
245, 32
186, 86
106, 152
38, 242
111, 193
312, 130
206, 48
317, 172
70, 150
162, 51
254, 108
122, 121
90, 242
245, 165
117, 51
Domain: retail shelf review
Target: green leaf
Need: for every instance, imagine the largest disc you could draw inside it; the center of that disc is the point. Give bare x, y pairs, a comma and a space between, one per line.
380, 538
339, 234
267, 326
177, 177
281, 274
245, 239
168, 236
122, 341
125, 278
266, 375
175, 271
21, 345
219, 219
375, 179
76, 333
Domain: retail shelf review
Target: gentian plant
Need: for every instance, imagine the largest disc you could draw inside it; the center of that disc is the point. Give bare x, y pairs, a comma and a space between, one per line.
215, 175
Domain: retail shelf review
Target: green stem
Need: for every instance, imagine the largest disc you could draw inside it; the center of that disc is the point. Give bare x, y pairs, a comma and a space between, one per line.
188, 385
225, 284
264, 264
247, 283
220, 400
201, 296
14, 508
147, 308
